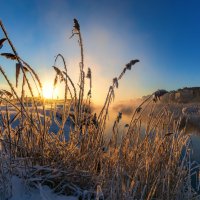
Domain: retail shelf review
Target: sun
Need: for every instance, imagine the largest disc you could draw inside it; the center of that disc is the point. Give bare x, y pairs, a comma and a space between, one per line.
49, 92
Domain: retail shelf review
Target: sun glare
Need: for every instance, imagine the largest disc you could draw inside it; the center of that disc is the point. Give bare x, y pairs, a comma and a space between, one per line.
48, 91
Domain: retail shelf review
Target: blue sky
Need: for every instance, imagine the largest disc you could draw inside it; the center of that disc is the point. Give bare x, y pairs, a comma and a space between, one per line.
163, 34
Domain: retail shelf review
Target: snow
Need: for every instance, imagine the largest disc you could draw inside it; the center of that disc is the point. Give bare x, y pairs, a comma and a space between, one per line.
53, 127
22, 192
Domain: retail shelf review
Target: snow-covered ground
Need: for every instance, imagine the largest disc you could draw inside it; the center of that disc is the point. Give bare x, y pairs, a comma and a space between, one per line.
53, 127
21, 192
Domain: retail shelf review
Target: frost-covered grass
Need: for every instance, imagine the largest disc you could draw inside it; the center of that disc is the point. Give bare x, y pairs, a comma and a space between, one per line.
132, 164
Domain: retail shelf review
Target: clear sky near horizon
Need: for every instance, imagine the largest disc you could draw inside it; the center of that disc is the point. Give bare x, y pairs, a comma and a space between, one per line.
163, 34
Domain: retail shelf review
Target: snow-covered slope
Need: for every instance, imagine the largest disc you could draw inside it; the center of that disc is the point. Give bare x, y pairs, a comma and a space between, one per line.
21, 192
